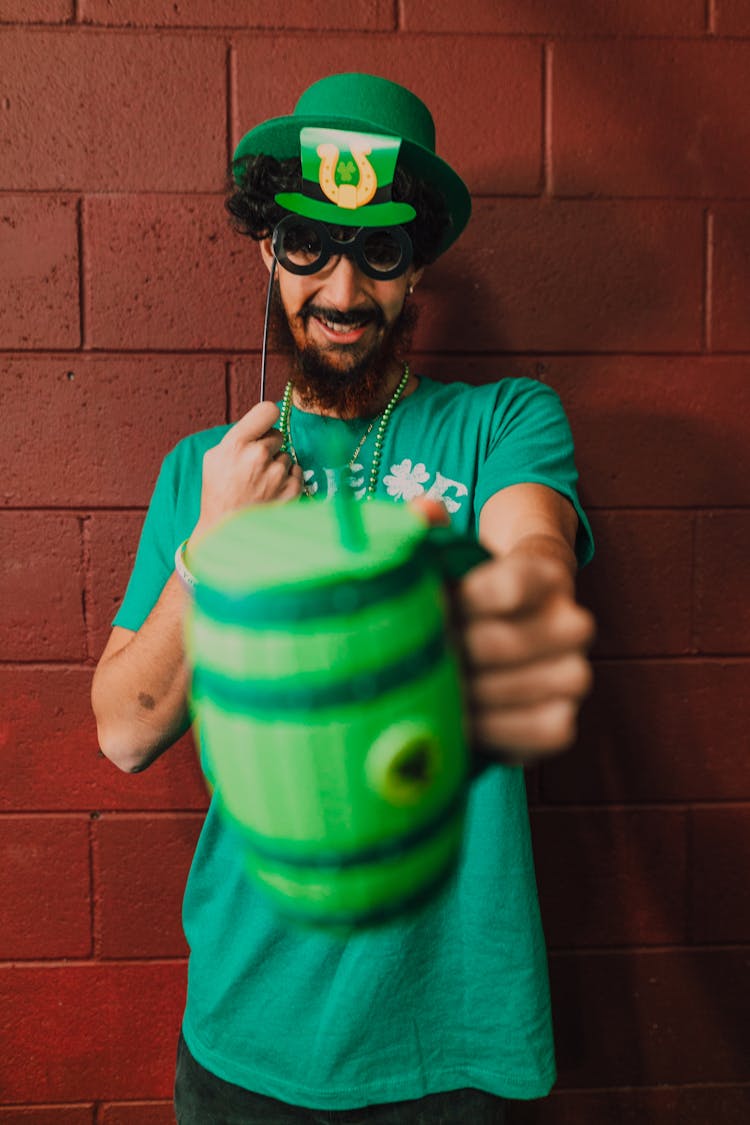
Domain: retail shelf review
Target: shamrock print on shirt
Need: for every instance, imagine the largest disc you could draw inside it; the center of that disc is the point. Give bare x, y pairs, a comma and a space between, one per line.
405, 481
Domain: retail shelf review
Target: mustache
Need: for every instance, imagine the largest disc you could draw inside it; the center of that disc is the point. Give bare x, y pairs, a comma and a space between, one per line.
350, 317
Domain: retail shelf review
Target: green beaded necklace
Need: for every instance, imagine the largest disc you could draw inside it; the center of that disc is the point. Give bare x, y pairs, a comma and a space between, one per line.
385, 417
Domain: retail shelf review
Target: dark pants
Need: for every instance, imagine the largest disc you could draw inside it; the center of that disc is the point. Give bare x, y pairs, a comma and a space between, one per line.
201, 1098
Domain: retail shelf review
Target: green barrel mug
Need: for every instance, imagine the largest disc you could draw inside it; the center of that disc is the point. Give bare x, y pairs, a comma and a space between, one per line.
328, 704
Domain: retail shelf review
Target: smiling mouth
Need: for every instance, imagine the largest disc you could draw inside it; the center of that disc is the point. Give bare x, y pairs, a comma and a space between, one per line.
344, 329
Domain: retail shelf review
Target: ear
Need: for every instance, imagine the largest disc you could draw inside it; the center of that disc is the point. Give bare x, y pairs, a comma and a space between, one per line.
266, 252
414, 279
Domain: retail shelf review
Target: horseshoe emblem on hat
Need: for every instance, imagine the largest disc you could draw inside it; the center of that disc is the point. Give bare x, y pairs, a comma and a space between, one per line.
349, 196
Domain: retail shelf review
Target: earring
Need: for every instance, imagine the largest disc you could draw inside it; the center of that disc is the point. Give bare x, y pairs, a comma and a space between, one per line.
410, 288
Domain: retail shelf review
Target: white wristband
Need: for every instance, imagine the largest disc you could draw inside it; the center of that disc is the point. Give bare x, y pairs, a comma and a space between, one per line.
187, 579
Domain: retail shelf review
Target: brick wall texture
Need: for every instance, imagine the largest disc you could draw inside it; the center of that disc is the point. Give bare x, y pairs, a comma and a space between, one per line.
608, 150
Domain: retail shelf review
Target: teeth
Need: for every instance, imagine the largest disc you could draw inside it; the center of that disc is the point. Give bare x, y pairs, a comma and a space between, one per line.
340, 328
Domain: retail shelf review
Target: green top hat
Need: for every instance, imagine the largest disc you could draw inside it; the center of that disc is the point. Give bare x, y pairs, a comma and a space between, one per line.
359, 104
347, 178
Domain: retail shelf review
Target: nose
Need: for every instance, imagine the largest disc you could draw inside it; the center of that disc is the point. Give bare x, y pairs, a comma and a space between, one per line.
343, 284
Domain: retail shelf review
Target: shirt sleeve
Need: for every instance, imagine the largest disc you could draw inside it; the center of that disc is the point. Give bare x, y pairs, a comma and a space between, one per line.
154, 561
530, 442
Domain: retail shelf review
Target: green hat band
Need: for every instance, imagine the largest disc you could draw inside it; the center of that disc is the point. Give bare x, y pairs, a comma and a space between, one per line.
347, 178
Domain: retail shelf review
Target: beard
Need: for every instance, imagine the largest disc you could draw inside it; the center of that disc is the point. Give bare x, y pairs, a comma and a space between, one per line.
354, 390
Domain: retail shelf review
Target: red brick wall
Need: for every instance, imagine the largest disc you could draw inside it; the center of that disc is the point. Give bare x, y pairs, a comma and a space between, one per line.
607, 148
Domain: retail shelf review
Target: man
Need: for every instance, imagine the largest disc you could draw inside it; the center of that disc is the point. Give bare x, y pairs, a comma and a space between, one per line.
443, 1014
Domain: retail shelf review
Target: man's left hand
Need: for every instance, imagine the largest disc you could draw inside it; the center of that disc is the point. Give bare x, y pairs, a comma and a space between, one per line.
524, 641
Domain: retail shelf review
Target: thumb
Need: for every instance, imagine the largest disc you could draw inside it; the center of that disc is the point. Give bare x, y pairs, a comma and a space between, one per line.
256, 423
432, 511
509, 587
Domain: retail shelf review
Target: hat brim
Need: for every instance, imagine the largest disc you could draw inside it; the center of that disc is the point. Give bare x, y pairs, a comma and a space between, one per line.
372, 215
279, 137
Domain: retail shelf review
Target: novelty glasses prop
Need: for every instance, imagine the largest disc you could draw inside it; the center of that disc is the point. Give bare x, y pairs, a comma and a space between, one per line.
304, 246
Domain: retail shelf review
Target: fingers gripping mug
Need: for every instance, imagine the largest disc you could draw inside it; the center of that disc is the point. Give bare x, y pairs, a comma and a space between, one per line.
328, 703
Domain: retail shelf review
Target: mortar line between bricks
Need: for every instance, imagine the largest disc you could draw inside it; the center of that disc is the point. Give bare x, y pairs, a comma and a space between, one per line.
632, 509
94, 943
152, 814
82, 288
51, 814
87, 596
102, 811
711, 17
399, 23
557, 1093
714, 805
272, 33
477, 196
231, 64
670, 658
546, 92
689, 876
537, 806
708, 280
694, 592
659, 950
228, 391
562, 952
110, 962
540, 353
25, 1106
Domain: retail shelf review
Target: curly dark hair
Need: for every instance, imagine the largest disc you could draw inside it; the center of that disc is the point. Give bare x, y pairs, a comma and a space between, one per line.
257, 179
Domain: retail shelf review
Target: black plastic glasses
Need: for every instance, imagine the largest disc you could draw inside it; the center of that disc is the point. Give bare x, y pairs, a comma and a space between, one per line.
304, 246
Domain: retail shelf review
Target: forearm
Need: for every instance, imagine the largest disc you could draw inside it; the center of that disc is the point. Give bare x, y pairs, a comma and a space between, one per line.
139, 693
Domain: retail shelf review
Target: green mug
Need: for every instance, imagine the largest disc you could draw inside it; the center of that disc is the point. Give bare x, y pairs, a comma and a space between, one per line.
328, 702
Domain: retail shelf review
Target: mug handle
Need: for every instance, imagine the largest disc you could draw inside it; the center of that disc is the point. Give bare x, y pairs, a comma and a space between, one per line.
454, 556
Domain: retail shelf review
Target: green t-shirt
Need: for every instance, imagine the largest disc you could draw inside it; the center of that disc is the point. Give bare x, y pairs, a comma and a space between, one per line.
456, 995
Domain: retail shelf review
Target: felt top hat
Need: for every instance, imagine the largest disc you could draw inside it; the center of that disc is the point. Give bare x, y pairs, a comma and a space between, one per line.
350, 129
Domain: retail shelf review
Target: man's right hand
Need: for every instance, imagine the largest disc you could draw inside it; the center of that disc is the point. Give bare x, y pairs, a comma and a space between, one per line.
246, 468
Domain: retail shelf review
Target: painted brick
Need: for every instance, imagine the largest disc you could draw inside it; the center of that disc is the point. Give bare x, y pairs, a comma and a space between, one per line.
137, 1113
335, 14
138, 900
493, 84
687, 1105
539, 17
574, 275
634, 117
90, 1031
730, 329
38, 272
36, 11
41, 619
722, 610
637, 1019
532, 275
101, 425
169, 273
47, 1115
732, 17
720, 852
657, 431
117, 112
659, 731
649, 430
113, 540
45, 716
639, 585
245, 381
611, 877
44, 887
